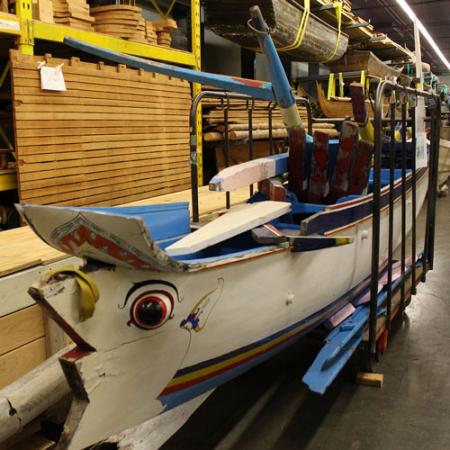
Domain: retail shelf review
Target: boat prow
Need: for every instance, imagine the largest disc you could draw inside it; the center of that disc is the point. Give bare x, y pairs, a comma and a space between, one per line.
132, 237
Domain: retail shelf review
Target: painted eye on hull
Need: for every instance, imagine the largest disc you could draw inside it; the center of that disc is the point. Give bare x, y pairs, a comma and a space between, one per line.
151, 309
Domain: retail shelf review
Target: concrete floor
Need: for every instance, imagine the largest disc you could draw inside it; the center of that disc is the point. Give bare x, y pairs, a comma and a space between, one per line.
270, 408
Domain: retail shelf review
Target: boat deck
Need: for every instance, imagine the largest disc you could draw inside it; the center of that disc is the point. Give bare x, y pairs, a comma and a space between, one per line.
22, 249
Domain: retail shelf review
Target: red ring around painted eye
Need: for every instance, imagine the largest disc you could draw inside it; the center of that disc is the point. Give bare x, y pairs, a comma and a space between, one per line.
151, 309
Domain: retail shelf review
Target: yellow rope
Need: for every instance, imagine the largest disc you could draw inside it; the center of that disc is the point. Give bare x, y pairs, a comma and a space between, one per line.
301, 29
160, 11
88, 290
338, 8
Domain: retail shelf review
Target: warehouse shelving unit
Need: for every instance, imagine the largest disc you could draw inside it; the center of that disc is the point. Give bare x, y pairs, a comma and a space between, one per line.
27, 30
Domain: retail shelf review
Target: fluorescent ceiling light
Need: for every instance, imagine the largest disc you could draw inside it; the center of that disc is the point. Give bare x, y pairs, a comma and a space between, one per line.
424, 31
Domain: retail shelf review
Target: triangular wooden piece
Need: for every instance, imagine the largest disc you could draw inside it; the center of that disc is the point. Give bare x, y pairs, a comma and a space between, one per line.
360, 168
360, 113
341, 170
318, 181
297, 162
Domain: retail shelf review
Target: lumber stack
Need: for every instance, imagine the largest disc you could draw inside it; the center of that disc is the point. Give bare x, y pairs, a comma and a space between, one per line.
214, 127
122, 21
150, 33
116, 135
163, 28
126, 22
43, 10
260, 130
73, 13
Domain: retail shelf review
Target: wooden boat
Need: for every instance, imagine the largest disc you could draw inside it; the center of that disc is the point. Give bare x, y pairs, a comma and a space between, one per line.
358, 60
340, 107
165, 311
321, 42
214, 314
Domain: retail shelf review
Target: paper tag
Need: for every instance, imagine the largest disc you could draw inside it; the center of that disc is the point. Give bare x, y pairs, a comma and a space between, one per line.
421, 135
52, 78
9, 25
421, 150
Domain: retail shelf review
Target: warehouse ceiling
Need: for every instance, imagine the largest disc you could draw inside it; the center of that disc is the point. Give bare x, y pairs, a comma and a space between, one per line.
388, 17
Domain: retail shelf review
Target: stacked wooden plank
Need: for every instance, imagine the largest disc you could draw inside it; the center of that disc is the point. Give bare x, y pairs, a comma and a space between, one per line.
73, 13
123, 21
116, 135
150, 33
213, 114
22, 343
163, 28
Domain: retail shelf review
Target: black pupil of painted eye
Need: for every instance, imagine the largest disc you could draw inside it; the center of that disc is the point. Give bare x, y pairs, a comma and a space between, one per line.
150, 313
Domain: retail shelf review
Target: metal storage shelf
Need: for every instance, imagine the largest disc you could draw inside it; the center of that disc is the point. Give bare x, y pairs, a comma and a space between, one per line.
26, 30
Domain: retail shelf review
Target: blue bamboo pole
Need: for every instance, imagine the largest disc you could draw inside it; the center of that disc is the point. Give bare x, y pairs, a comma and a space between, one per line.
280, 83
262, 90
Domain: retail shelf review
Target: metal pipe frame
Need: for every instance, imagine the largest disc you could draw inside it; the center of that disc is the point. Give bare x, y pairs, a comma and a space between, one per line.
427, 259
391, 211
194, 144
403, 202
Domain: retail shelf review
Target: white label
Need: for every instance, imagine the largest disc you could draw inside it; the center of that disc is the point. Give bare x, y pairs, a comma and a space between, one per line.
52, 79
421, 150
9, 25
421, 135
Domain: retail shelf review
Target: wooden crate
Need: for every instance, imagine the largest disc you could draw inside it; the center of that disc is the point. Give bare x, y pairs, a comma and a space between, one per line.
116, 135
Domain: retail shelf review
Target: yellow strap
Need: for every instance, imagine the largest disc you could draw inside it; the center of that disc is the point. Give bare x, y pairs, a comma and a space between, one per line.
341, 84
331, 86
363, 78
338, 8
367, 85
301, 29
88, 290
160, 11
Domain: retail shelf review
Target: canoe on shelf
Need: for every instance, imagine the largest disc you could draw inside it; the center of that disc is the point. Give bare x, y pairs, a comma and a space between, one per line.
340, 107
358, 60
283, 18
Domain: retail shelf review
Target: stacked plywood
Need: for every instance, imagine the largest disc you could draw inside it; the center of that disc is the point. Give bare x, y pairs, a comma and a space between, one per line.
116, 135
73, 13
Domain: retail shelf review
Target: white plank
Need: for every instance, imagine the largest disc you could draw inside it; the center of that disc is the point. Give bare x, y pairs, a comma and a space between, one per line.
247, 173
237, 220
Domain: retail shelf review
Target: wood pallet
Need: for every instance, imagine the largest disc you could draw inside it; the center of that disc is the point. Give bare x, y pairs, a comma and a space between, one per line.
116, 135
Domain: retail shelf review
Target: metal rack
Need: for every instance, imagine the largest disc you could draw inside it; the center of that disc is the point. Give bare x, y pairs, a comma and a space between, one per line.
225, 98
26, 30
404, 95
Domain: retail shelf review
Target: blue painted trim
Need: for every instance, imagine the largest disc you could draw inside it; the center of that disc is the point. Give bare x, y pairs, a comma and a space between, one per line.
342, 342
337, 218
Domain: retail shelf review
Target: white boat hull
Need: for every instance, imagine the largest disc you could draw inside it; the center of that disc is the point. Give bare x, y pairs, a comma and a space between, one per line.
227, 318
